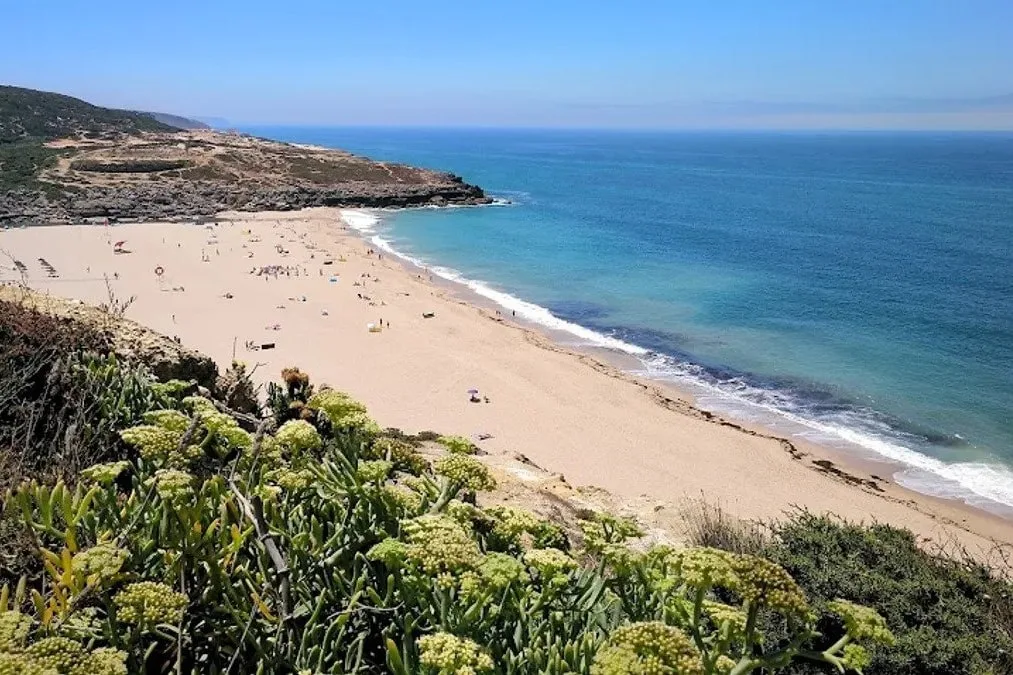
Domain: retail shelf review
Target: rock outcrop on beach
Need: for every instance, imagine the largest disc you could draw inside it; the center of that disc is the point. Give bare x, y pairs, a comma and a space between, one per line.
66, 161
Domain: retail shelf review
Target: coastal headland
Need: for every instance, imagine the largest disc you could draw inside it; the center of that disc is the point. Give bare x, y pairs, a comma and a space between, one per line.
302, 288
67, 161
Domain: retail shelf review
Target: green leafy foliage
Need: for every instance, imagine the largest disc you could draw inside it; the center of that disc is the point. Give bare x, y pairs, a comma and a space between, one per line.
21, 162
949, 616
321, 547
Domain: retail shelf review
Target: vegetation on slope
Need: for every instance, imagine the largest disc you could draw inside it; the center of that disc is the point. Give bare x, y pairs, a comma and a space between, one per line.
315, 548
39, 115
29, 118
951, 614
312, 541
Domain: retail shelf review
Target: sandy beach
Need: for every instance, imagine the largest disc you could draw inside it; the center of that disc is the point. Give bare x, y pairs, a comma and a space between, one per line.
308, 285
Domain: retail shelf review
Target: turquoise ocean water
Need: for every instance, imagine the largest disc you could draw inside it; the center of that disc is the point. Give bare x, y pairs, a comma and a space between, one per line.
856, 289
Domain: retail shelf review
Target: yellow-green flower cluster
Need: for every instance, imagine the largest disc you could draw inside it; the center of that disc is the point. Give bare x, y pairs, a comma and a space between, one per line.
767, 584
756, 580
104, 474
409, 501
171, 388
391, 552
63, 656
466, 514
620, 558
101, 562
704, 568
724, 665
499, 570
362, 423
465, 472
17, 664
58, 654
82, 624
290, 479
235, 437
402, 454
173, 486
458, 445
298, 436
647, 649
450, 655
171, 420
551, 563
605, 529
721, 614
225, 426
153, 443
341, 410
439, 544
512, 523
856, 657
199, 405
14, 628
862, 623
159, 440
147, 603
106, 661
374, 471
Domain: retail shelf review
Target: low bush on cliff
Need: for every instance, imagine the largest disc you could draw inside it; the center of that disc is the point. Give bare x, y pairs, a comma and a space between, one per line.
951, 615
327, 546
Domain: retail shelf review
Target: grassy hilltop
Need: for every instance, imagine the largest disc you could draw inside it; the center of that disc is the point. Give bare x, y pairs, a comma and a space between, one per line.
27, 115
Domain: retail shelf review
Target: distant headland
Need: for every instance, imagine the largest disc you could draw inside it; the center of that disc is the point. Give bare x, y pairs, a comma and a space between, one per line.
67, 161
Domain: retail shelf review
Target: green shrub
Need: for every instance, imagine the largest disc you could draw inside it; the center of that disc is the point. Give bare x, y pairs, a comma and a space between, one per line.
950, 616
215, 550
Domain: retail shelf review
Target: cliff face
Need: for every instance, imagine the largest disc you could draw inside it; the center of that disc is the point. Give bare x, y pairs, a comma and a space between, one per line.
130, 203
66, 161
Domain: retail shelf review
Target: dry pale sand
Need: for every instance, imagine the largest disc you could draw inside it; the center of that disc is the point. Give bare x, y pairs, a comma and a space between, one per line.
567, 412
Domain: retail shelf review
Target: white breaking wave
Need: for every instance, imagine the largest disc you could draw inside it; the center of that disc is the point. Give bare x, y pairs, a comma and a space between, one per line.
986, 486
977, 483
360, 220
366, 222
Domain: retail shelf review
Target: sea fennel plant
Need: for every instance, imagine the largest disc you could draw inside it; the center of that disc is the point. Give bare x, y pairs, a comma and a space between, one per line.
324, 546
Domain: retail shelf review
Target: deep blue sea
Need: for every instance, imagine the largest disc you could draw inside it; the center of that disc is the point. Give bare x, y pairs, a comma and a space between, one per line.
853, 288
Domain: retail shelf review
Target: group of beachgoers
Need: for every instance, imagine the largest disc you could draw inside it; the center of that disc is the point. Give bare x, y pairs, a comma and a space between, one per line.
275, 271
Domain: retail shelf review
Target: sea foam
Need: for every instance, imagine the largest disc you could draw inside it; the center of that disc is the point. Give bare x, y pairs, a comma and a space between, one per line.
987, 486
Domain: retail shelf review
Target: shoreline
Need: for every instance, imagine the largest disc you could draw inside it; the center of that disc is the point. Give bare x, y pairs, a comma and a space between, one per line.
847, 457
627, 435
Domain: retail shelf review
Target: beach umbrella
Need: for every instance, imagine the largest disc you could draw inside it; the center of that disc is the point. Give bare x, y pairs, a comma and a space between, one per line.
473, 391
119, 243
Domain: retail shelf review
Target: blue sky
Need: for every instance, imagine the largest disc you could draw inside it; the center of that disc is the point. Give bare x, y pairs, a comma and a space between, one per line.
784, 63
